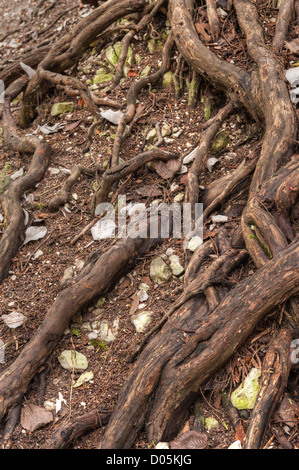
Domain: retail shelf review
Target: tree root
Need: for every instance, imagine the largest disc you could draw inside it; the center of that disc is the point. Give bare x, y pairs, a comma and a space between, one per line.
284, 17
212, 317
76, 427
64, 196
181, 364
98, 275
13, 212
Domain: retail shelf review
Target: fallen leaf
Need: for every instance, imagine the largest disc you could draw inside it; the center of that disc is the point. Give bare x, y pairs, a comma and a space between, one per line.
240, 433
149, 190
71, 125
287, 411
132, 73
135, 303
80, 103
13, 319
201, 29
168, 169
34, 233
34, 417
186, 427
30, 72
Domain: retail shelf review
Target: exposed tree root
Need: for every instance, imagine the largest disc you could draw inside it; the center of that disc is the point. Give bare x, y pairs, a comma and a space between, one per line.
212, 317
99, 274
167, 376
13, 212
64, 194
76, 427
282, 25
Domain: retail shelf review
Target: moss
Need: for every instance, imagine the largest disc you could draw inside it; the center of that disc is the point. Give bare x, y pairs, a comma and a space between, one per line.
99, 345
4, 177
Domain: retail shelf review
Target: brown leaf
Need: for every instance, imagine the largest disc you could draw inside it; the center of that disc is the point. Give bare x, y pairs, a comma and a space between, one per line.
240, 433
132, 73
42, 215
209, 234
186, 427
168, 169
71, 125
149, 190
190, 440
217, 401
34, 417
147, 280
287, 412
201, 29
135, 303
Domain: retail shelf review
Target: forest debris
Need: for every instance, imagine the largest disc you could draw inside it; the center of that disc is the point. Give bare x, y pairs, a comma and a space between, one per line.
220, 141
30, 72
287, 411
13, 319
159, 271
112, 116
62, 108
34, 417
190, 440
45, 129
292, 75
59, 401
218, 219
245, 395
179, 197
102, 229
211, 162
106, 333
142, 320
190, 157
235, 445
168, 169
34, 233
175, 265
162, 445
73, 360
211, 423
17, 174
293, 46
102, 76
194, 243
167, 79
85, 377
149, 190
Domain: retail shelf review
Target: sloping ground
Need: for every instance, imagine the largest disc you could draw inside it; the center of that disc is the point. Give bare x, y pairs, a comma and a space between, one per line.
35, 273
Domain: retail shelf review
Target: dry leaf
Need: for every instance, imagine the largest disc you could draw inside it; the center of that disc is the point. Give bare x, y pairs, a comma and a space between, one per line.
240, 433
168, 169
135, 303
201, 29
149, 190
132, 73
71, 125
186, 427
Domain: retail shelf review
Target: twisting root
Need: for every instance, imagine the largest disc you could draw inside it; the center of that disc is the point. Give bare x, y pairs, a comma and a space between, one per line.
13, 212
284, 17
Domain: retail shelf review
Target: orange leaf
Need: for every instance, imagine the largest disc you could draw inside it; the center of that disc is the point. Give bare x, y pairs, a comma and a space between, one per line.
80, 103
132, 73
240, 433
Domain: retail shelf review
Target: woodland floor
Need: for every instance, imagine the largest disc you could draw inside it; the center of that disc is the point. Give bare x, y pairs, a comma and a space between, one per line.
33, 284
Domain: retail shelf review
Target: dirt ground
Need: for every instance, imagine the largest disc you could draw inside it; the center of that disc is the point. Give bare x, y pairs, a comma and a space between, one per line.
33, 283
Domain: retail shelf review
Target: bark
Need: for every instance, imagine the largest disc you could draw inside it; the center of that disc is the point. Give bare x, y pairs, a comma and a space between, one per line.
100, 273
167, 376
